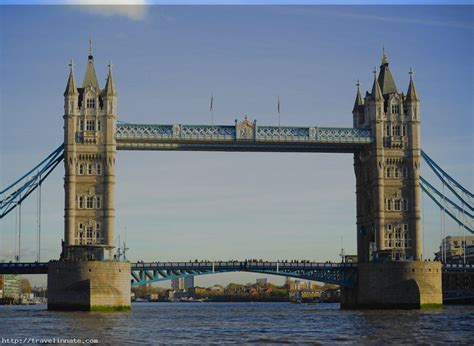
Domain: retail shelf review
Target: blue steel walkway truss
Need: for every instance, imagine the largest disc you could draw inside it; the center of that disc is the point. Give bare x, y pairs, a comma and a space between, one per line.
344, 274
244, 136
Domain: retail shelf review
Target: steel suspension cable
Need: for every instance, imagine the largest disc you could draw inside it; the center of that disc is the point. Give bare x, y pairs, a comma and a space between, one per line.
55, 152
434, 165
29, 187
19, 232
444, 224
442, 176
439, 204
423, 222
38, 219
15, 254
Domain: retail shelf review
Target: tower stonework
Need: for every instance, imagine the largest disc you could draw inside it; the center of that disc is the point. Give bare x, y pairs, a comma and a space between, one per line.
90, 115
90, 150
389, 201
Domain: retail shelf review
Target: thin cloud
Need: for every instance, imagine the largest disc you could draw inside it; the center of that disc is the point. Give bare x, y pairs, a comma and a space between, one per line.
429, 22
341, 12
135, 10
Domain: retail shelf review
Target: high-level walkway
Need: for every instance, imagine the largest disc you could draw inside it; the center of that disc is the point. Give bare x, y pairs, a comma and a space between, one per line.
245, 136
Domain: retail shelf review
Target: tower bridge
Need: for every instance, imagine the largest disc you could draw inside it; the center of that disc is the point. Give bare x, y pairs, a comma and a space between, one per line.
384, 141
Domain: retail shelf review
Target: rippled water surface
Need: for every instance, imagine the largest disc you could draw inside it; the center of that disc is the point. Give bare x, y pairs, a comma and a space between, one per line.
203, 323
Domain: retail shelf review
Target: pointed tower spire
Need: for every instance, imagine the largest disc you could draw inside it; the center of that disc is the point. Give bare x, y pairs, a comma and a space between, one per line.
90, 78
384, 57
386, 81
358, 101
71, 88
109, 85
376, 91
411, 93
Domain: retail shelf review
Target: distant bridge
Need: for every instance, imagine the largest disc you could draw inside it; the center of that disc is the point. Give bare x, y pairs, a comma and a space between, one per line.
143, 273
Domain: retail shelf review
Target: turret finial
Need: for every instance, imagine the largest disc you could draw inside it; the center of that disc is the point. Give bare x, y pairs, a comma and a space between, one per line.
358, 101
71, 88
412, 95
384, 56
90, 46
109, 85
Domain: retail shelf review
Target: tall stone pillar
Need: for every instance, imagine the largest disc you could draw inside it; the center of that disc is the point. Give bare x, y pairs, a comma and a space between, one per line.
389, 202
70, 113
109, 149
88, 277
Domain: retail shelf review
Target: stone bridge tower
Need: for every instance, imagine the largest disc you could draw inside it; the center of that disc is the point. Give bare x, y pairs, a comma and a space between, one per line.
390, 268
90, 149
87, 276
388, 173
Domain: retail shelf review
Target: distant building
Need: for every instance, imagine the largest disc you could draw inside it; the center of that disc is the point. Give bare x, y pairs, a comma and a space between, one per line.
297, 285
182, 284
263, 281
350, 258
10, 286
452, 248
470, 254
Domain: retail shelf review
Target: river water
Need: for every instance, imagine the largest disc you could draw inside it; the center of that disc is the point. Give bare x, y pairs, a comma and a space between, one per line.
218, 323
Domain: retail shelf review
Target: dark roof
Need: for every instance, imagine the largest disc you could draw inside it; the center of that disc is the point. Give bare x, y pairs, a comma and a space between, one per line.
90, 77
386, 82
359, 101
71, 88
109, 89
412, 95
376, 91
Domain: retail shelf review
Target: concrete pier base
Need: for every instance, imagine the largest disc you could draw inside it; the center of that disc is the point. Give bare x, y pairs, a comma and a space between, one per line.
89, 285
392, 285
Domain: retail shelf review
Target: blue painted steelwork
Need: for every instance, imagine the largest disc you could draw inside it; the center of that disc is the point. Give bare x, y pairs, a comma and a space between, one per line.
458, 268
447, 205
449, 181
244, 136
24, 268
344, 274
14, 194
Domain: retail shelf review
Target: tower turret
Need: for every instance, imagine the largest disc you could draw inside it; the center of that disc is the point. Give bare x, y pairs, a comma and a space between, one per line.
71, 88
412, 95
71, 113
90, 78
385, 79
109, 85
358, 110
109, 119
412, 107
376, 94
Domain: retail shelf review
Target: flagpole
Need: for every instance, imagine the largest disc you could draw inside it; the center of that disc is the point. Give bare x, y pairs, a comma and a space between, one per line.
279, 118
212, 110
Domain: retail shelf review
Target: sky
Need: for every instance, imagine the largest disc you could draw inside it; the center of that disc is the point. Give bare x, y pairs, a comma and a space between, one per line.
168, 60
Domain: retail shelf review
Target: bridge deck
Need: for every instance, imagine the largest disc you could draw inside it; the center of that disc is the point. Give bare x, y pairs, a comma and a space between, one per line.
42, 267
230, 138
239, 265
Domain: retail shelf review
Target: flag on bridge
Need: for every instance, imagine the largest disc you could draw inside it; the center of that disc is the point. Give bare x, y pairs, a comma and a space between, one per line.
212, 103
